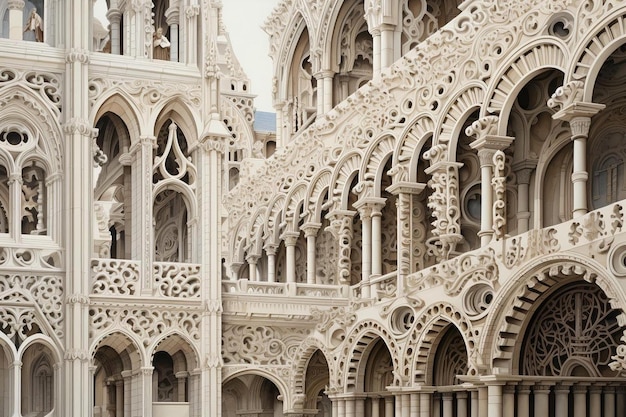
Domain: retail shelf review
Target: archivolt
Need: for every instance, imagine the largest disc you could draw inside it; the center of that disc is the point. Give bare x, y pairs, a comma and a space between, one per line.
507, 328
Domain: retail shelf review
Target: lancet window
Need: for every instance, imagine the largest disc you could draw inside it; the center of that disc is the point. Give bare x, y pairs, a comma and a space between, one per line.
174, 181
23, 193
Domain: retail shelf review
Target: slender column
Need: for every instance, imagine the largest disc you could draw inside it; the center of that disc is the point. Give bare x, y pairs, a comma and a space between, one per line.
494, 400
16, 19
181, 378
425, 400
359, 406
375, 404
447, 398
508, 400
523, 197
270, 250
334, 409
119, 398
389, 406
406, 405
474, 403
461, 404
377, 249
16, 388
487, 143
173, 18
523, 401
386, 46
561, 402
15, 211
291, 238
376, 45
365, 213
341, 407
235, 267
415, 405
580, 400
328, 90
350, 407
146, 373
436, 404
609, 402
252, 262
595, 400
483, 401
127, 377
310, 233
115, 37
620, 401
541, 394
191, 34
578, 114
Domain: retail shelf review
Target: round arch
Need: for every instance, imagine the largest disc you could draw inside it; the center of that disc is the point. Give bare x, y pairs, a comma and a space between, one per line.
519, 296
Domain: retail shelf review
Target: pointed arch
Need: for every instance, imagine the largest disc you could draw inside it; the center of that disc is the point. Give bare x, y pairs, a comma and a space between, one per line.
173, 342
118, 102
303, 355
319, 186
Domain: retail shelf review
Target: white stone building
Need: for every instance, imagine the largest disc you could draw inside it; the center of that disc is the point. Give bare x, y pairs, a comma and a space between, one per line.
436, 228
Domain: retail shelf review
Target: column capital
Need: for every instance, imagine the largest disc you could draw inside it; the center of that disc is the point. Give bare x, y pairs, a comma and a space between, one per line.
270, 248
370, 206
16, 4
405, 187
310, 229
114, 15
252, 259
290, 238
143, 142
578, 110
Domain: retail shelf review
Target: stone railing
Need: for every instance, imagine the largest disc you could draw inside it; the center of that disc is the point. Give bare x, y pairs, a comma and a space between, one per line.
122, 277
115, 277
243, 286
177, 279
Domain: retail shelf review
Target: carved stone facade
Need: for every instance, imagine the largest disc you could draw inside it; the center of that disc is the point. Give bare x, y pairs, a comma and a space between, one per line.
440, 231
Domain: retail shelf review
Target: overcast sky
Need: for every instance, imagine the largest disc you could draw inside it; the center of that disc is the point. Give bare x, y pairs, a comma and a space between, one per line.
243, 20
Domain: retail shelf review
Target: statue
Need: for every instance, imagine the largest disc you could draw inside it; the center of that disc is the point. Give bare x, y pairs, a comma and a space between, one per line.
35, 23
161, 46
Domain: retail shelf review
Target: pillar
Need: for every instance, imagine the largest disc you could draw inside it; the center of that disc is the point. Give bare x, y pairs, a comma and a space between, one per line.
365, 214
328, 90
173, 18
16, 19
181, 378
561, 403
541, 394
595, 400
494, 393
620, 401
146, 381
386, 46
578, 114
290, 238
127, 377
375, 404
609, 402
115, 34
15, 182
310, 233
119, 398
415, 405
447, 398
580, 400
389, 406
377, 249
142, 233
523, 401
487, 143
270, 250
252, 263
425, 400
461, 404
341, 228
523, 175
376, 54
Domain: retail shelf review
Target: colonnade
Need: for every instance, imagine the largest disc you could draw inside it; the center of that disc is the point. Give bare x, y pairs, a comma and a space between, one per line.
530, 397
